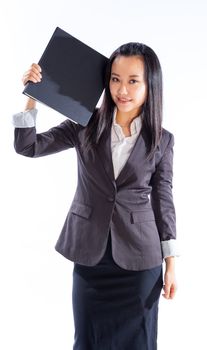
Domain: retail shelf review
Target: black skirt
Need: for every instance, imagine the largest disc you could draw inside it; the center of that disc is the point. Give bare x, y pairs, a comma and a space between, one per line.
114, 308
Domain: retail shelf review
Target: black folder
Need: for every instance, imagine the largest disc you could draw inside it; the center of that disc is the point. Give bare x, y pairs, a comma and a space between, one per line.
72, 77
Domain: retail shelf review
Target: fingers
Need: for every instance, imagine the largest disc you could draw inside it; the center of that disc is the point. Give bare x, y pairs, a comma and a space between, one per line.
169, 290
32, 74
170, 285
172, 292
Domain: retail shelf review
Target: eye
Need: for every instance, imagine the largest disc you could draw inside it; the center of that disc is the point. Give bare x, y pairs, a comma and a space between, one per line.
133, 81
114, 79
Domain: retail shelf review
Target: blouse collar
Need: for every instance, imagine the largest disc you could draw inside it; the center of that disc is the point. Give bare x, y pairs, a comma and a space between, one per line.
135, 125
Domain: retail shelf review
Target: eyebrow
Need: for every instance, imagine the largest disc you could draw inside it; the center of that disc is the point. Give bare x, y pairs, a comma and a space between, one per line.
131, 76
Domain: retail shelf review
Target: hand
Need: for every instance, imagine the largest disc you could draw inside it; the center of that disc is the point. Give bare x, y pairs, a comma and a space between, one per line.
170, 285
33, 74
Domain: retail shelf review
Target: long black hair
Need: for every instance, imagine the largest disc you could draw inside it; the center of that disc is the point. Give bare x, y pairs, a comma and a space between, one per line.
151, 110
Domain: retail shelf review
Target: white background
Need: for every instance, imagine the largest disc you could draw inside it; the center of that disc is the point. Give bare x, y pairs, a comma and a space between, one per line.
35, 194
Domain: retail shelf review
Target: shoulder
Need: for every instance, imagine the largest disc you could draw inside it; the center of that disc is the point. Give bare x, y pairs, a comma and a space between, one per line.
79, 131
70, 125
167, 138
165, 145
67, 128
167, 134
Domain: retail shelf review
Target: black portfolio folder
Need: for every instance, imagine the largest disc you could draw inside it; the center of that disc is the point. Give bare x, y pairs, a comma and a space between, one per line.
72, 77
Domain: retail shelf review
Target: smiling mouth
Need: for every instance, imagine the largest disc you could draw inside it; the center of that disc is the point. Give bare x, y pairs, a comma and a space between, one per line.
123, 100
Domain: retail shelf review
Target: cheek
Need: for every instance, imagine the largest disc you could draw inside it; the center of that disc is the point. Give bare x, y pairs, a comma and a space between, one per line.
111, 89
142, 93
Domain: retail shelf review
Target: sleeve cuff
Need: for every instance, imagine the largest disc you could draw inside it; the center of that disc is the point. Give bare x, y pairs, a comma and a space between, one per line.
26, 119
169, 248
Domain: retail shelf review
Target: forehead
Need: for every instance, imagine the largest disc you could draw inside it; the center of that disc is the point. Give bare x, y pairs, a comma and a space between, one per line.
131, 65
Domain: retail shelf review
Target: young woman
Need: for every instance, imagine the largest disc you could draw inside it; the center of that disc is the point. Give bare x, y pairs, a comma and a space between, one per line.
121, 223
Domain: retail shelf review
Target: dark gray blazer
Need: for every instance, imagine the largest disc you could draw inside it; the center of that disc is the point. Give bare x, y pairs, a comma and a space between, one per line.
137, 207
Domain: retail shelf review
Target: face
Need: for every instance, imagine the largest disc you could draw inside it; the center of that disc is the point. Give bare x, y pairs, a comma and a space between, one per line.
128, 87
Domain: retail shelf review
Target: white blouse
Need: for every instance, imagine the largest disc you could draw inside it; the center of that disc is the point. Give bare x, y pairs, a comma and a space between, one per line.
121, 145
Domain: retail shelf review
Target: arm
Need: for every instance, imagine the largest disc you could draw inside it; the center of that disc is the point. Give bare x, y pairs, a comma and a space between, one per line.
163, 206
27, 142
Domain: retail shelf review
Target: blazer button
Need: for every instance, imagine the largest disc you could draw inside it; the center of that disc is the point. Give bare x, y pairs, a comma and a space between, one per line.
111, 199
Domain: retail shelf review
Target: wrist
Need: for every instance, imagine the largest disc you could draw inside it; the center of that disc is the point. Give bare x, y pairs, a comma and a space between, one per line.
170, 263
30, 104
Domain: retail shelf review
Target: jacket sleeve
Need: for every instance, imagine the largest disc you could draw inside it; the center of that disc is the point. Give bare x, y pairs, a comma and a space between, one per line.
31, 144
162, 200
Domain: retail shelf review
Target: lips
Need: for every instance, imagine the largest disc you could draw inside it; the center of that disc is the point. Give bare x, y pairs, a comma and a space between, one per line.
123, 100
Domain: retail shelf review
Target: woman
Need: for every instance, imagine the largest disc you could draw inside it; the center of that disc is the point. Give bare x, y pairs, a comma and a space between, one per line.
121, 223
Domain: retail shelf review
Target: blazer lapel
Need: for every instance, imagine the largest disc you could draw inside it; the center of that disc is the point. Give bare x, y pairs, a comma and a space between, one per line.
105, 156
137, 155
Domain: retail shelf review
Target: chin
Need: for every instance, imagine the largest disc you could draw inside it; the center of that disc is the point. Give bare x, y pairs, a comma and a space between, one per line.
125, 109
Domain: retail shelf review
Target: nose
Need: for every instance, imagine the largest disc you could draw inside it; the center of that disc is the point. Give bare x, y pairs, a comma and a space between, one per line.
122, 90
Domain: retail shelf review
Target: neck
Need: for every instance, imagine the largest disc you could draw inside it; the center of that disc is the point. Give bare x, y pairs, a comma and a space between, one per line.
125, 119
